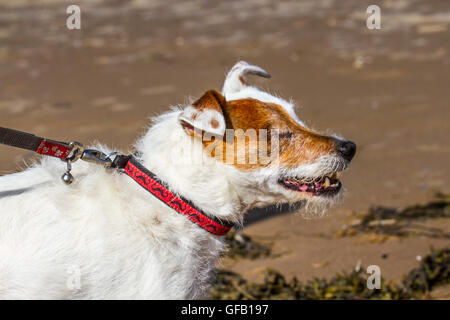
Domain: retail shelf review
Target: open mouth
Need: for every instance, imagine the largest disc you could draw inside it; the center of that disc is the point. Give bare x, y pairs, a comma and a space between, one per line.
326, 185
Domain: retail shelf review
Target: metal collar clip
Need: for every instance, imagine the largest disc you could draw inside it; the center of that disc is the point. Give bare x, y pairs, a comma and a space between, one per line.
96, 156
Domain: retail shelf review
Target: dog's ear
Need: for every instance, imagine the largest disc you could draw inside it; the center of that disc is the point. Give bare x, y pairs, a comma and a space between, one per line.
205, 114
235, 80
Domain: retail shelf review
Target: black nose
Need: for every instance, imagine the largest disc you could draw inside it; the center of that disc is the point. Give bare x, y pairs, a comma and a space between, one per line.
347, 149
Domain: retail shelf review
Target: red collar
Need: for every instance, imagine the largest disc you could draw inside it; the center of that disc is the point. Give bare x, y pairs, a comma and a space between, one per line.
151, 183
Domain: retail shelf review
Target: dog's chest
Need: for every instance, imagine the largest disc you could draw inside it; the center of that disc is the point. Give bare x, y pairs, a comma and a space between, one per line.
177, 258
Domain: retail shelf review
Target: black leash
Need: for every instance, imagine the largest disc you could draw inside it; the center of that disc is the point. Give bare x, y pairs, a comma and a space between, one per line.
34, 143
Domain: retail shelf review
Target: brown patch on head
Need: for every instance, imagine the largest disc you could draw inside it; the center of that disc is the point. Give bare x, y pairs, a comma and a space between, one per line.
297, 145
214, 123
210, 100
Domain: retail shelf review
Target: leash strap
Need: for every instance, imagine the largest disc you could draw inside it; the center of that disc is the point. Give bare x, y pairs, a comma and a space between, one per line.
152, 184
34, 143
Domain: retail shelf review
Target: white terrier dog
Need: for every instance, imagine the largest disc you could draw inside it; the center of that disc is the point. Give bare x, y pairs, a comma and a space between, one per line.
105, 237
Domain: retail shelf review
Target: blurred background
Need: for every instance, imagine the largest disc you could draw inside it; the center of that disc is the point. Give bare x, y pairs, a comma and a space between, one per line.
387, 90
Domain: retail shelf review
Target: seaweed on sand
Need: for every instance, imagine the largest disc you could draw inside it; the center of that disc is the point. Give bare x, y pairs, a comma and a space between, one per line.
241, 245
433, 270
403, 221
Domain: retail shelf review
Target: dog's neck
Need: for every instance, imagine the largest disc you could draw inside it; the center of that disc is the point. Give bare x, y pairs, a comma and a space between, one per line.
170, 153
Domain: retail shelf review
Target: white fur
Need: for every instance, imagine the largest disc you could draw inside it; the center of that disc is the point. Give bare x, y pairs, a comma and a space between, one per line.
235, 79
123, 242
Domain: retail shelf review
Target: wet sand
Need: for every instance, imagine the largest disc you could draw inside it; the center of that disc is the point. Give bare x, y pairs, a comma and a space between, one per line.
386, 89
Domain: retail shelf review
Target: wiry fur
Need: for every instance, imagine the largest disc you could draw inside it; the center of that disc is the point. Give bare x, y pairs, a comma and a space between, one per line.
124, 242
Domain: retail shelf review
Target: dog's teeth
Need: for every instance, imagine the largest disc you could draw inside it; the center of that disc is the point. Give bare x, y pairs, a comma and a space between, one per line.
327, 182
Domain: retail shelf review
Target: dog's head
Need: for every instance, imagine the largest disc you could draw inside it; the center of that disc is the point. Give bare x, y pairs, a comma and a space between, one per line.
270, 154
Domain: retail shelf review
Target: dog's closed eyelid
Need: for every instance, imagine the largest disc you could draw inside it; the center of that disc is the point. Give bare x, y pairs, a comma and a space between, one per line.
285, 135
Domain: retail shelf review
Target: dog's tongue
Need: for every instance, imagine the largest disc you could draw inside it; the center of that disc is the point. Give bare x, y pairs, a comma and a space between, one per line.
298, 185
303, 187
